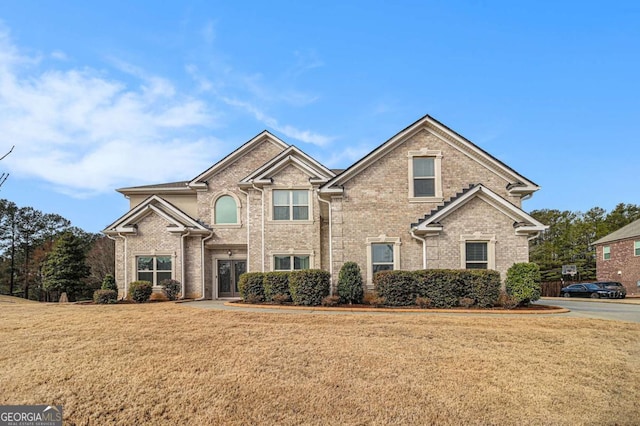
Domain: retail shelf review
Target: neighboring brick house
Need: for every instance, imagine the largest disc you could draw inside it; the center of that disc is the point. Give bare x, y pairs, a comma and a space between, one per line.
426, 198
618, 257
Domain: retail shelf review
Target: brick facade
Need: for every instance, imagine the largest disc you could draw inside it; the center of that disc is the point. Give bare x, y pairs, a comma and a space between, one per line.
623, 265
373, 205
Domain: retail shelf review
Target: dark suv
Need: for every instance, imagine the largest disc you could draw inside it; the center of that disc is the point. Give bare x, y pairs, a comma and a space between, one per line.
618, 288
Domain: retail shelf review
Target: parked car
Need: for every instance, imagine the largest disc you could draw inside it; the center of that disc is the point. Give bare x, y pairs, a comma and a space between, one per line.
592, 290
621, 291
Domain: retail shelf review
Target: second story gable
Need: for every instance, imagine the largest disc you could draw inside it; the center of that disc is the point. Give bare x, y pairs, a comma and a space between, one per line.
429, 163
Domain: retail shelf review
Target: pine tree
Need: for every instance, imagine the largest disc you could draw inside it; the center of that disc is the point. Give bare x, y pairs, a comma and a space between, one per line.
65, 266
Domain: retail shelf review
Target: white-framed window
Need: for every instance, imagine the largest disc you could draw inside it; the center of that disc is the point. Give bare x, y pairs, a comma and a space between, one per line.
425, 180
290, 204
153, 268
478, 251
476, 255
293, 262
226, 210
606, 253
383, 254
636, 248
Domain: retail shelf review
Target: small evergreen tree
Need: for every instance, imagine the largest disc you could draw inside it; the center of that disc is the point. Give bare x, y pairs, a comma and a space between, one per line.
65, 266
109, 283
350, 287
523, 283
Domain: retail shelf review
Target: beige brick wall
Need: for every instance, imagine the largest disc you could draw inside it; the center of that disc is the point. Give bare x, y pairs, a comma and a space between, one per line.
375, 202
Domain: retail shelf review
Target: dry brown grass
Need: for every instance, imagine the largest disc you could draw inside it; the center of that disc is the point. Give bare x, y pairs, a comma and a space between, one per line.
174, 364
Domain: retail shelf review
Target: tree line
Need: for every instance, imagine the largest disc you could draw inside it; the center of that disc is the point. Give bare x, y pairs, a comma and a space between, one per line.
570, 237
35, 246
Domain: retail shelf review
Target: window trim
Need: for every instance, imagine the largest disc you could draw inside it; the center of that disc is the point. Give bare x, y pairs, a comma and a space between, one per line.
437, 169
154, 271
215, 199
636, 248
381, 239
308, 220
478, 237
606, 251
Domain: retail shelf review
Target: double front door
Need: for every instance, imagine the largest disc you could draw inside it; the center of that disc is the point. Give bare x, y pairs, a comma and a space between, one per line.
229, 272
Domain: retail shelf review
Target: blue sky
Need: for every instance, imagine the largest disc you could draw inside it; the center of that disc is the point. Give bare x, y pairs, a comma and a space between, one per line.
100, 95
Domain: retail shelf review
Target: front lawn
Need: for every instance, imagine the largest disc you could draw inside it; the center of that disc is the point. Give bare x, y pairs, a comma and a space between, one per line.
168, 363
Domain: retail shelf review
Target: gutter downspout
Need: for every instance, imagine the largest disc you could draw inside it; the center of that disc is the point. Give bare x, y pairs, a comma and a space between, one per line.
262, 231
424, 248
182, 262
246, 193
124, 240
330, 242
202, 264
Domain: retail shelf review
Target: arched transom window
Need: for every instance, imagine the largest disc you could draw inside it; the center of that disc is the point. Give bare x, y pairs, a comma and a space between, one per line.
226, 210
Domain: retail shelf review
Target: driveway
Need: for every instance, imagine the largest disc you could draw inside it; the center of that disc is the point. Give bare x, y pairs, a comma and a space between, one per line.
618, 310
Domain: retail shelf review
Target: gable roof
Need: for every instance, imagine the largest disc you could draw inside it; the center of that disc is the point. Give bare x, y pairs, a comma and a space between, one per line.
631, 230
522, 221
290, 156
517, 183
199, 182
178, 220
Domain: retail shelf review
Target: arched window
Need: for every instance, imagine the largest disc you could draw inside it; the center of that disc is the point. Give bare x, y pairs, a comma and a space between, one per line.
226, 210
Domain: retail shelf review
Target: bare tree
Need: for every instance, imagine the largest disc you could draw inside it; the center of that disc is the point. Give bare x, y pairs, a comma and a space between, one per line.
4, 176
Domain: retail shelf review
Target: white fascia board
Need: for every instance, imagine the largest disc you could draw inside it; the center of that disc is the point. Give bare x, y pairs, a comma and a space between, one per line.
235, 155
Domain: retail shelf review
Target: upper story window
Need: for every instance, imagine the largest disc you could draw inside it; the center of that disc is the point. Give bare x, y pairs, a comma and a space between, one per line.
226, 210
153, 268
606, 253
424, 177
425, 180
636, 248
290, 204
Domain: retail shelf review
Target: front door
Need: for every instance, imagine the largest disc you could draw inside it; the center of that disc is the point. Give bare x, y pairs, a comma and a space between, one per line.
229, 272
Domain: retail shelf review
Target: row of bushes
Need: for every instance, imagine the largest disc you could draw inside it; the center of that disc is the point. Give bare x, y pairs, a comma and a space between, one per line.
442, 288
139, 291
306, 287
437, 288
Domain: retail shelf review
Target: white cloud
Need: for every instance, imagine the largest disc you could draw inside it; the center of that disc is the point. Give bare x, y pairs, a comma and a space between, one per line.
306, 136
86, 133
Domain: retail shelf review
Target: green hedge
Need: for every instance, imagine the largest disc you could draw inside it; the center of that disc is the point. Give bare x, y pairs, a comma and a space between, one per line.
523, 282
140, 291
309, 286
251, 286
350, 287
276, 283
443, 287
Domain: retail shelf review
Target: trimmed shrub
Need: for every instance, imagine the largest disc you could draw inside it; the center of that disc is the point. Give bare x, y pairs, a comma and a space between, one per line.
105, 297
523, 282
398, 288
485, 286
466, 302
171, 288
443, 287
276, 283
109, 283
350, 287
309, 286
140, 291
251, 286
506, 301
281, 299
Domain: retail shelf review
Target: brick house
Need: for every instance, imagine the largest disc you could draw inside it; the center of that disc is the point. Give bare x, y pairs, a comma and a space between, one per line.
426, 198
618, 257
